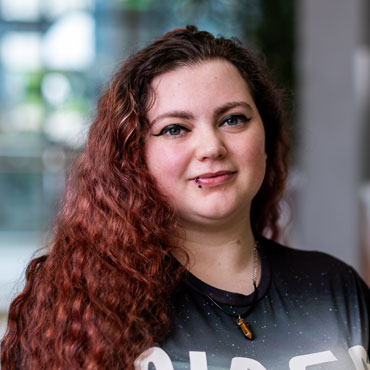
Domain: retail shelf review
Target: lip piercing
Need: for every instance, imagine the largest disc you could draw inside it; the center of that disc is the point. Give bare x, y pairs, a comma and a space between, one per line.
196, 181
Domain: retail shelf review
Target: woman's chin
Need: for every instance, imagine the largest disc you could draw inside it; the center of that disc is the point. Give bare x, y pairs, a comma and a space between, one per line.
219, 217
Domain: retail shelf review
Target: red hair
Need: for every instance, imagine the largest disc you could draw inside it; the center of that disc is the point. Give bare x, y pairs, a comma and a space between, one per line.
101, 295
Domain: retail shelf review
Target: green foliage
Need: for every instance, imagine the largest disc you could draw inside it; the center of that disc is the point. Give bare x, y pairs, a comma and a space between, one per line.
275, 37
138, 5
267, 26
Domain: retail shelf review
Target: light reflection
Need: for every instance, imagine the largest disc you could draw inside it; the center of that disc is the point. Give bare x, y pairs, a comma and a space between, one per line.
55, 88
69, 44
25, 117
20, 10
67, 127
55, 8
21, 51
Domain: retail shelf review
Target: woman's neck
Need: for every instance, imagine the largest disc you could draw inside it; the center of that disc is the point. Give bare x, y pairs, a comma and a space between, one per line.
222, 256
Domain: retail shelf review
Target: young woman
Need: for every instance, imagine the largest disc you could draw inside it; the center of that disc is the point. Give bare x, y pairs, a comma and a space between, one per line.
158, 259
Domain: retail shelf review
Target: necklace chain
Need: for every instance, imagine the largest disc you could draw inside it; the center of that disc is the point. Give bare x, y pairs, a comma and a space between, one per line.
254, 277
242, 324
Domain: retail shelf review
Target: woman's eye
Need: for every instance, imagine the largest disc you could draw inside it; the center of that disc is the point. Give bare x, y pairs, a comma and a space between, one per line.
234, 120
172, 130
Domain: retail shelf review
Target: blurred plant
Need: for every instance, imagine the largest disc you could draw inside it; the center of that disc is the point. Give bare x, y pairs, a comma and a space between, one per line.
223, 13
32, 86
136, 4
275, 36
265, 25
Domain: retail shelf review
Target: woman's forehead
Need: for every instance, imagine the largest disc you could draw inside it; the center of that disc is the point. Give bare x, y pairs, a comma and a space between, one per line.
213, 82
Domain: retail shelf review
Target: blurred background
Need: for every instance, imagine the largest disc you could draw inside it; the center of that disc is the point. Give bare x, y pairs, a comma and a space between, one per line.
56, 57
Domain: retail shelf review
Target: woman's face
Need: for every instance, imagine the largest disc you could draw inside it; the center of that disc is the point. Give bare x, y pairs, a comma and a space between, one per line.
206, 144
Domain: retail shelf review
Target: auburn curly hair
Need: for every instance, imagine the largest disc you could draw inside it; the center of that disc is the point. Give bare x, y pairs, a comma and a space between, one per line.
101, 293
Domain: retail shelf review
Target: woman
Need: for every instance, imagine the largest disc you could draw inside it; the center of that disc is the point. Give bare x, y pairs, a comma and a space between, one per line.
158, 259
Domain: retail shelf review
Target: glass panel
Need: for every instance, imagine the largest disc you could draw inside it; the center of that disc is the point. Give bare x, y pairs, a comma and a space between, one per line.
22, 190
21, 51
69, 44
55, 8
28, 10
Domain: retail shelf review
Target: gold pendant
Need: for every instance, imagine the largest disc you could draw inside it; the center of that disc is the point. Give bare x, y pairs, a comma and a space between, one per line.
243, 325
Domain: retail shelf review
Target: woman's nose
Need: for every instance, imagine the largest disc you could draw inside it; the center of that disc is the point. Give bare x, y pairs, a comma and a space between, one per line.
210, 145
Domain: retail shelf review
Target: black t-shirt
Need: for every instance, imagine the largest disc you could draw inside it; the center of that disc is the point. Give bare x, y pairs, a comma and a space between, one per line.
312, 312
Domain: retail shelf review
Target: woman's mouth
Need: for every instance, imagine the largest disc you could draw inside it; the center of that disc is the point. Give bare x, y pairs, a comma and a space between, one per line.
213, 179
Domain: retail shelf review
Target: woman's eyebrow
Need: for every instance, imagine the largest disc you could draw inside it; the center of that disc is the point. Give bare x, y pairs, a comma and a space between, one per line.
187, 115
224, 108
173, 114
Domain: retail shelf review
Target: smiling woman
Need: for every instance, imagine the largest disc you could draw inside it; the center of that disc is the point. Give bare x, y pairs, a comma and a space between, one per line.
160, 258
205, 129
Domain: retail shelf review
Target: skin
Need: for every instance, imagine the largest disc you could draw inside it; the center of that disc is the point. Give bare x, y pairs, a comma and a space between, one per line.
203, 121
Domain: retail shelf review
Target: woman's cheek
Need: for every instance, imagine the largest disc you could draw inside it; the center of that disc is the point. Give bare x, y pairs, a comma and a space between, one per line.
168, 165
257, 161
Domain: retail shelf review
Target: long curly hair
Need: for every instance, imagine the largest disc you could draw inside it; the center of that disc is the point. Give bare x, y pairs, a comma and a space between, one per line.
101, 294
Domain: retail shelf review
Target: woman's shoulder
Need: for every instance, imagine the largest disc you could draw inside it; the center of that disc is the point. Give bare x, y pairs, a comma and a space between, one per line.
316, 278
305, 264
304, 259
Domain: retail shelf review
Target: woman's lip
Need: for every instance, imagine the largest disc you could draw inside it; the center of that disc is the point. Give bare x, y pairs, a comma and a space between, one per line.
213, 174
212, 179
